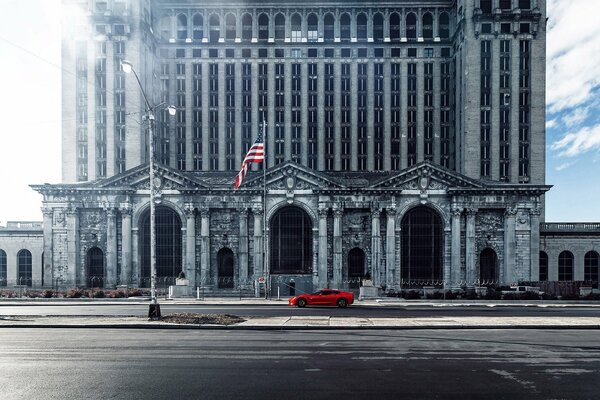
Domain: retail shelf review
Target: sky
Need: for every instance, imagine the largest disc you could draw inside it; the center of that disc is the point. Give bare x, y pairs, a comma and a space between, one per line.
30, 133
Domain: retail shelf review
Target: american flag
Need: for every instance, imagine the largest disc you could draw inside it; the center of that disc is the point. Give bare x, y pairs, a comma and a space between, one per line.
256, 154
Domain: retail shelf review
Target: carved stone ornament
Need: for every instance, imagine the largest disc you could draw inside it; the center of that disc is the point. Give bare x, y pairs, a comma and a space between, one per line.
59, 218
356, 221
456, 212
323, 212
511, 211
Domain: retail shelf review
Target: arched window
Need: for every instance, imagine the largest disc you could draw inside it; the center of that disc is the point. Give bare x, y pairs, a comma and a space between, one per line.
2, 268
247, 28
411, 26
230, 28
279, 27
378, 27
182, 27
328, 31
165, 28
444, 27
296, 28
590, 267
198, 27
345, 27
291, 242
225, 268
263, 27
361, 26
215, 28
168, 245
422, 246
95, 267
565, 266
488, 271
356, 267
543, 267
24, 267
313, 27
394, 26
428, 26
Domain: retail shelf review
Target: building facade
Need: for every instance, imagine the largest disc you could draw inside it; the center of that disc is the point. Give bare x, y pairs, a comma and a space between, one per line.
405, 140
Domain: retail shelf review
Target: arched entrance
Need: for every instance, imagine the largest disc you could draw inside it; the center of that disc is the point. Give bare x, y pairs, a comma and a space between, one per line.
356, 267
422, 247
225, 268
290, 242
168, 246
95, 267
24, 267
488, 267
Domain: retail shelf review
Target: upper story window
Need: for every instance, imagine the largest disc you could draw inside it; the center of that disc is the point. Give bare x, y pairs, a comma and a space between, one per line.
247, 28
279, 27
328, 32
444, 26
378, 27
215, 28
230, 27
428, 26
313, 26
263, 27
411, 26
394, 26
296, 28
198, 27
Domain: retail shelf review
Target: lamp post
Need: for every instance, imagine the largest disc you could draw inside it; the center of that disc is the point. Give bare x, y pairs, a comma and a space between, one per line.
154, 309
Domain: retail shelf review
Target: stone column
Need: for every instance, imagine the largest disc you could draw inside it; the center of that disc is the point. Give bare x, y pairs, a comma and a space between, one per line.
48, 257
470, 255
72, 245
190, 244
508, 272
258, 243
110, 272
455, 270
136, 273
243, 251
337, 247
125, 277
390, 255
375, 246
534, 245
322, 267
204, 247
447, 258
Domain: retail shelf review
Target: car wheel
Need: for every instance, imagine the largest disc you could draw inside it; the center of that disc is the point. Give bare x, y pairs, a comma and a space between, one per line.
301, 303
342, 302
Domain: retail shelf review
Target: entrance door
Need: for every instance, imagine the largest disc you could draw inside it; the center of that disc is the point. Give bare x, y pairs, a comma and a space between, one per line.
95, 264
356, 267
225, 263
488, 274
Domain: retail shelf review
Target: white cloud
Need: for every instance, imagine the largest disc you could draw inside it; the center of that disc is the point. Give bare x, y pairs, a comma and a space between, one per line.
576, 117
573, 52
575, 143
551, 123
564, 165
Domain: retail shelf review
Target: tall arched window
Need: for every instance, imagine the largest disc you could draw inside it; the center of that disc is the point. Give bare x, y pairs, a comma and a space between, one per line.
361, 26
394, 26
590, 267
95, 267
230, 28
198, 27
168, 245
279, 27
422, 246
290, 242
345, 27
488, 271
565, 266
328, 25
225, 268
411, 26
2, 268
543, 267
444, 27
215, 28
296, 28
378, 27
313, 27
182, 27
428, 26
247, 28
165, 28
24, 267
263, 27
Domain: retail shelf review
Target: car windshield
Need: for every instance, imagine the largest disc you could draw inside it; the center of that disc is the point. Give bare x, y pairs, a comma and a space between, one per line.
317, 293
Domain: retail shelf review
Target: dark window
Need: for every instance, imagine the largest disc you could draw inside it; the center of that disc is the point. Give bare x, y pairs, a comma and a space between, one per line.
422, 247
24, 267
2, 268
328, 31
225, 268
329, 53
486, 6
590, 270
543, 266
486, 28
378, 27
565, 266
95, 267
291, 242
378, 52
488, 272
411, 52
362, 52
312, 53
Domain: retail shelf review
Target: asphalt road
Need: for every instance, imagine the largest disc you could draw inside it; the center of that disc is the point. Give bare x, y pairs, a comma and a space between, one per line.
414, 311
166, 364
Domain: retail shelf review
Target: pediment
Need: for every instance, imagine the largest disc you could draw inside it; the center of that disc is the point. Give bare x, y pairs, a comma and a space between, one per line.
292, 176
428, 176
137, 178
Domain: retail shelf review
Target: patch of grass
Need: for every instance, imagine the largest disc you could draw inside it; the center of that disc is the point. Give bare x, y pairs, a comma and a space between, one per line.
202, 319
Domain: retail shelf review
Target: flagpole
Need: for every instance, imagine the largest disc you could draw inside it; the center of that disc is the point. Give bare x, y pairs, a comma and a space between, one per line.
265, 264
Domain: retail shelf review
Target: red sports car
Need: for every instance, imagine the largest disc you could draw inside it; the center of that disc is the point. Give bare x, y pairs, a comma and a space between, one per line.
325, 297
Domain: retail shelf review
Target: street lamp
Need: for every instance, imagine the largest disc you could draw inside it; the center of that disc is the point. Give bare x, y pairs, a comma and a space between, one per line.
154, 309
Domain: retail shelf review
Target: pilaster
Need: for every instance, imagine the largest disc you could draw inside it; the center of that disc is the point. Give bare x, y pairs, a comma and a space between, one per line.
204, 246
322, 267
455, 270
507, 274
111, 248
190, 244
375, 246
337, 247
126, 254
390, 256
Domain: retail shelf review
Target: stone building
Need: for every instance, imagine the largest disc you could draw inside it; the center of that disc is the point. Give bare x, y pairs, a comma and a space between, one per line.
405, 140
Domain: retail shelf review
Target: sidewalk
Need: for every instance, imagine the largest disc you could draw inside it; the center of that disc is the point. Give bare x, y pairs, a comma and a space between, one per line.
306, 322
